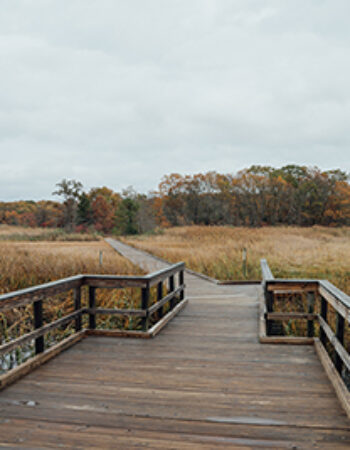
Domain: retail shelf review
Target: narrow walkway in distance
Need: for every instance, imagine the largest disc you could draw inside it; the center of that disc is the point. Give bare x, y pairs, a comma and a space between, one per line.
203, 382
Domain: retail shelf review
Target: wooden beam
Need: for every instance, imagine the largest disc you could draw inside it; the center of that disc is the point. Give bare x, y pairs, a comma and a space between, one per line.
120, 312
77, 307
145, 296
292, 286
119, 333
114, 282
41, 292
289, 340
161, 275
161, 324
8, 346
262, 318
334, 377
38, 323
335, 342
291, 315
164, 300
265, 270
92, 306
326, 292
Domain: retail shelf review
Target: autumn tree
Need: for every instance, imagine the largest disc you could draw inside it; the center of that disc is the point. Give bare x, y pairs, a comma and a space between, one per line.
103, 214
70, 191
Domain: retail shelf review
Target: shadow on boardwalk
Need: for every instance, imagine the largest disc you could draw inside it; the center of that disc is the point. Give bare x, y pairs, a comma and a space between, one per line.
204, 382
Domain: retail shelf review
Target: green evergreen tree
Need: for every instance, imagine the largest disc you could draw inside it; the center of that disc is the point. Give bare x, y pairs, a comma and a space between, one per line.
84, 212
126, 216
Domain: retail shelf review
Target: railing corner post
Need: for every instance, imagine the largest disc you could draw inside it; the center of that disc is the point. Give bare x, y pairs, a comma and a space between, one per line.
171, 289
324, 310
181, 283
145, 296
159, 297
92, 306
38, 323
340, 336
269, 298
310, 310
77, 307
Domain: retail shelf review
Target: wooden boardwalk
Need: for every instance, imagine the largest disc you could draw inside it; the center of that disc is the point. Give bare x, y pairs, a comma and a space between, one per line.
203, 382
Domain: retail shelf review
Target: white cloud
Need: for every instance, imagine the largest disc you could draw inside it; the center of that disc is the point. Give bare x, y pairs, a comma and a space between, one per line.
120, 93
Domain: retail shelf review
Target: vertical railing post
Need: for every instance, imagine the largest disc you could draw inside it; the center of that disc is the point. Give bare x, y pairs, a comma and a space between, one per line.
340, 336
38, 323
159, 297
171, 289
77, 306
145, 295
92, 306
181, 282
310, 310
269, 298
324, 309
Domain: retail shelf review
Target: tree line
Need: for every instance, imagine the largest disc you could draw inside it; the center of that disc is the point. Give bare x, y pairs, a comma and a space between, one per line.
257, 196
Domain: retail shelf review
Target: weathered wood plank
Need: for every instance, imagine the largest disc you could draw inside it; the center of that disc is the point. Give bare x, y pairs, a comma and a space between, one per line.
292, 286
338, 384
166, 319
340, 305
162, 274
291, 315
265, 270
14, 374
289, 340
152, 309
118, 312
119, 333
29, 295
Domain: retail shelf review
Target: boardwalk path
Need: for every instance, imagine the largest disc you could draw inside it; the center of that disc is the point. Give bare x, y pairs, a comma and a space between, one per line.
204, 382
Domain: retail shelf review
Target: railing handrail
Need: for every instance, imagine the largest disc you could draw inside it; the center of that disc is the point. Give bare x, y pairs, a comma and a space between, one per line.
330, 345
155, 311
26, 295
341, 296
265, 270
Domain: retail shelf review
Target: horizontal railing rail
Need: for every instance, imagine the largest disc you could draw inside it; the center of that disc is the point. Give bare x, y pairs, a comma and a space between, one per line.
154, 306
326, 308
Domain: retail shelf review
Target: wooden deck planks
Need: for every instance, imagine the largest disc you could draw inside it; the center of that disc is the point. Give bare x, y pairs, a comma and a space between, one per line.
203, 382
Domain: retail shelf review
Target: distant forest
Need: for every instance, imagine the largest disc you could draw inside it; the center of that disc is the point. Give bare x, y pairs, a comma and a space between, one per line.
258, 196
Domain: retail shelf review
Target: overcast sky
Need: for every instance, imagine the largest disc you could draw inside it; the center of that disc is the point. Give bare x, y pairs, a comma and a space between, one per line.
119, 93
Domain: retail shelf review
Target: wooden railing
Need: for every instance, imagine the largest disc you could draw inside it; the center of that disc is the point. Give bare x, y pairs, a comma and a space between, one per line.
155, 310
323, 308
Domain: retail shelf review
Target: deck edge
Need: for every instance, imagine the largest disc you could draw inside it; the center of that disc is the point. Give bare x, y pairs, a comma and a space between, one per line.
38, 360
333, 376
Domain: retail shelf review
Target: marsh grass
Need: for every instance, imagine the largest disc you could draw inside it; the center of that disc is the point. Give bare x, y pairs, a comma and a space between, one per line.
15, 233
24, 264
292, 252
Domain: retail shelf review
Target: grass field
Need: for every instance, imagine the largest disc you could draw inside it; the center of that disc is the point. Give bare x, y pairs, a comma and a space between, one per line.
28, 263
291, 252
16, 233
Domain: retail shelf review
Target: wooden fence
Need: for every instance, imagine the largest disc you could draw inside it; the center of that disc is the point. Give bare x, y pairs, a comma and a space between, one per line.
167, 304
323, 308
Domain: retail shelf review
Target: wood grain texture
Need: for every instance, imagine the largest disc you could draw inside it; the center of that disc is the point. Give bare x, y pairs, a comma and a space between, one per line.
204, 382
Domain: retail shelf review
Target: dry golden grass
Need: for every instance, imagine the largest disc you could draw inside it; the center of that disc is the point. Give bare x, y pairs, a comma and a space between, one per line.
17, 233
291, 252
24, 264
6, 230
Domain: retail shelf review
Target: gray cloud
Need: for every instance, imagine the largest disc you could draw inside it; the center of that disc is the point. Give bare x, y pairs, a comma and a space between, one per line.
120, 93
